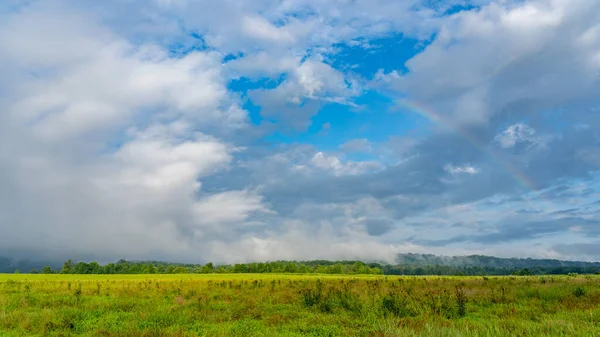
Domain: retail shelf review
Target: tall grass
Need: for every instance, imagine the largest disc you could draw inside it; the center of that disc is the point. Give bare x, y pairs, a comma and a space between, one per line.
298, 305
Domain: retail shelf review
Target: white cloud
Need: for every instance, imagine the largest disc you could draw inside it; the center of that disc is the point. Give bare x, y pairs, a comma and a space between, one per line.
308, 86
307, 22
296, 245
533, 54
231, 208
319, 79
117, 83
261, 64
110, 143
337, 167
260, 28
465, 169
157, 160
514, 134
120, 137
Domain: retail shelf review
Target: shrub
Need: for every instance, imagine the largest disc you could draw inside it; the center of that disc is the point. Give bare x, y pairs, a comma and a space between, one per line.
313, 296
348, 300
78, 292
461, 301
392, 304
579, 291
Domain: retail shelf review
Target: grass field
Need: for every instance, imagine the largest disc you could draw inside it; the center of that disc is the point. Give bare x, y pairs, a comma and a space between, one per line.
298, 305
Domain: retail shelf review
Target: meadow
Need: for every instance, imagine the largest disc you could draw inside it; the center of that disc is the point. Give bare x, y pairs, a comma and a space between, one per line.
298, 305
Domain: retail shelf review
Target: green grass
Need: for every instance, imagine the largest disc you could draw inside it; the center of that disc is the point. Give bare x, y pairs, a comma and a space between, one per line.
297, 305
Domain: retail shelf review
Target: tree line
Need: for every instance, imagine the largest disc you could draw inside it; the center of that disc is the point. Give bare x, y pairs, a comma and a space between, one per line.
407, 264
157, 267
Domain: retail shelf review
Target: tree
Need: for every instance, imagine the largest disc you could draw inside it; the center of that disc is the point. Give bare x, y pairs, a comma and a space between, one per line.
522, 272
208, 268
358, 268
304, 269
335, 269
94, 268
291, 267
109, 268
47, 270
122, 267
81, 268
67, 267
240, 268
181, 270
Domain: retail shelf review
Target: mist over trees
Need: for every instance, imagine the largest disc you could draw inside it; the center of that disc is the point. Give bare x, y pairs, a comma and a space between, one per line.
428, 264
487, 261
406, 264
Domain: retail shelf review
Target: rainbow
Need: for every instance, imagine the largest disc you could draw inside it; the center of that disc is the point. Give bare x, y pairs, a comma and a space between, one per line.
497, 157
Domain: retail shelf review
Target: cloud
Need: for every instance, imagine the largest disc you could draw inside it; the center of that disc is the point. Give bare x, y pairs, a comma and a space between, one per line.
230, 208
295, 244
357, 145
589, 250
521, 231
590, 155
107, 81
154, 158
308, 86
109, 147
507, 58
260, 28
515, 134
309, 22
335, 165
122, 135
460, 169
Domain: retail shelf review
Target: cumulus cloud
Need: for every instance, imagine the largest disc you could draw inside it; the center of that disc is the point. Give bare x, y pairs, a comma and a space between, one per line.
309, 85
507, 58
337, 167
109, 143
262, 29
121, 135
515, 134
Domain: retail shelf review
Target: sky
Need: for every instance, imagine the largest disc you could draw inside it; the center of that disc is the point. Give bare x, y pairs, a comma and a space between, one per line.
254, 130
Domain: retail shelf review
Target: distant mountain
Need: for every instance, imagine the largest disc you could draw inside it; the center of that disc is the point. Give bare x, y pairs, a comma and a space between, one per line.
488, 261
9, 265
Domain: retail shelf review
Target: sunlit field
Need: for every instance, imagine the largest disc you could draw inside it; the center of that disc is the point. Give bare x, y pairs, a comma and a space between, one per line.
298, 305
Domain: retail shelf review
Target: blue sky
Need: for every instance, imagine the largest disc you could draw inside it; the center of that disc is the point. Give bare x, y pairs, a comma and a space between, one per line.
230, 131
370, 115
